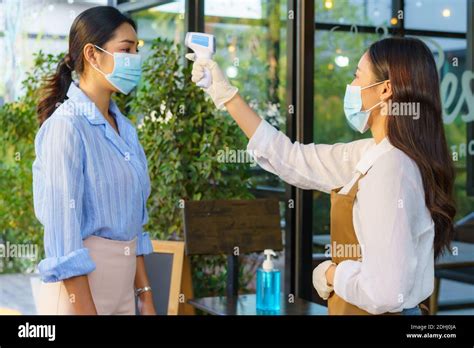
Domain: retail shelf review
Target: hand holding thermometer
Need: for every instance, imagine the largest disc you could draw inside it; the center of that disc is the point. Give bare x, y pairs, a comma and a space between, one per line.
204, 46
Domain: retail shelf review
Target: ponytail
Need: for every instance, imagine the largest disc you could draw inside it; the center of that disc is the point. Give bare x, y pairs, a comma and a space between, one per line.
95, 25
55, 88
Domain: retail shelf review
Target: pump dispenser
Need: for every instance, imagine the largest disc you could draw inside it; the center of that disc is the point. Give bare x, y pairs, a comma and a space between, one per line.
268, 284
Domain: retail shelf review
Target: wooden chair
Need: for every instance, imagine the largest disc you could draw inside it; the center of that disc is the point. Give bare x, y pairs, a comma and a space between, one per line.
232, 228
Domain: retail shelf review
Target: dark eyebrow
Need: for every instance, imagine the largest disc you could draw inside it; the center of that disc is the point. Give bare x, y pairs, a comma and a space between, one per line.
130, 41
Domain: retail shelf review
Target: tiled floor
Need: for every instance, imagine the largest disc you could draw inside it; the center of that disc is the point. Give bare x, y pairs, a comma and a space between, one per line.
16, 293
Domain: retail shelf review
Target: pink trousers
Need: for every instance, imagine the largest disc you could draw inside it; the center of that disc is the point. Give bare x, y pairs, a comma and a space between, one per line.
111, 283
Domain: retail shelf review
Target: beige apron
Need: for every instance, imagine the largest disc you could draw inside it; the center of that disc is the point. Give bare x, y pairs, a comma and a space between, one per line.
343, 235
111, 283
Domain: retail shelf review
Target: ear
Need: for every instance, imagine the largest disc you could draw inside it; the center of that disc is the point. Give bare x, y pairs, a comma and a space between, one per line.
91, 54
386, 90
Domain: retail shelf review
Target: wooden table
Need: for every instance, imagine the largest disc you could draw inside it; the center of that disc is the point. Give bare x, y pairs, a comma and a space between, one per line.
246, 305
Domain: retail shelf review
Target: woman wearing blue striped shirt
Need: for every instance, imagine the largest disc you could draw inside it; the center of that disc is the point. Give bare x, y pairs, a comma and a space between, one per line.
90, 176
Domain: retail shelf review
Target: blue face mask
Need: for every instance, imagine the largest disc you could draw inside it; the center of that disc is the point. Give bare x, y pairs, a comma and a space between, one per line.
357, 119
127, 71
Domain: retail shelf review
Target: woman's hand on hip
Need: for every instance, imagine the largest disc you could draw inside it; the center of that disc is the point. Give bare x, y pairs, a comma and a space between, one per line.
320, 279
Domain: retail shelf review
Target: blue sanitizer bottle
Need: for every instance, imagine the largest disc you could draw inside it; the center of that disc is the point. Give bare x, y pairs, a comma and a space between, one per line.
268, 285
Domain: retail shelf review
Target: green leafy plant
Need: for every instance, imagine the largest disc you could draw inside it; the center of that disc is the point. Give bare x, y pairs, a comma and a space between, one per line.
181, 133
18, 126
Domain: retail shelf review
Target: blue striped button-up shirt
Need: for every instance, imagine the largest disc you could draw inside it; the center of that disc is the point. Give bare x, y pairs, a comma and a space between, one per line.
87, 180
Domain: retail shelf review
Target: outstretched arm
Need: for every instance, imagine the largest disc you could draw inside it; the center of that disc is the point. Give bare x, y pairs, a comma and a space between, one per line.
308, 166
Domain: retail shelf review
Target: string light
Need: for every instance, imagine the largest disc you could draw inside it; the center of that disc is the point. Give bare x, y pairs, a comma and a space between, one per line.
446, 12
328, 4
341, 61
232, 72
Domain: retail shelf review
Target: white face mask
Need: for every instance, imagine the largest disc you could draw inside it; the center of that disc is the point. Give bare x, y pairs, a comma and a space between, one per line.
357, 119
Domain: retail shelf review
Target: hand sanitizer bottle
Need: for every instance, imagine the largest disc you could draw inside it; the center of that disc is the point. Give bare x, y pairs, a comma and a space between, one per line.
268, 285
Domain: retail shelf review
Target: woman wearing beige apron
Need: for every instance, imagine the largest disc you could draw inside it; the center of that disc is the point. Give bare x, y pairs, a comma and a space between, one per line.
90, 177
392, 206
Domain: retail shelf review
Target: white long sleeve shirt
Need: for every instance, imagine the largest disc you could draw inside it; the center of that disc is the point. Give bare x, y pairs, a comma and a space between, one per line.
391, 221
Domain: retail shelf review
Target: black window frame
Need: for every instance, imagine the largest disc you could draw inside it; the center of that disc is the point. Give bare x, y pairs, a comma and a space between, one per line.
299, 124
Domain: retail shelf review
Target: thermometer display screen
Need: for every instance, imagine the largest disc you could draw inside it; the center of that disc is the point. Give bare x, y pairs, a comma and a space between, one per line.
200, 40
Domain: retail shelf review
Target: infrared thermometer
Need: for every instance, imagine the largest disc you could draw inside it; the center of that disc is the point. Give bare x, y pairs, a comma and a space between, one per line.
204, 46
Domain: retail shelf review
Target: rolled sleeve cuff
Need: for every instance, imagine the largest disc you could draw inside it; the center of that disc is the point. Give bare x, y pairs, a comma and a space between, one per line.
144, 246
344, 272
260, 141
76, 263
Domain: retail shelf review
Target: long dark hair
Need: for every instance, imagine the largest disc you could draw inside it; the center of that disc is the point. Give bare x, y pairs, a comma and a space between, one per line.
96, 25
410, 66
